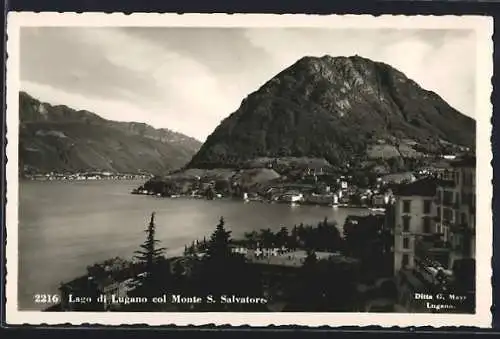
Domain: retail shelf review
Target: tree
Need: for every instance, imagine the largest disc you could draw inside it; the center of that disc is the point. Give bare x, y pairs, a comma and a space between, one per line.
365, 239
223, 272
306, 296
293, 241
218, 246
252, 238
268, 238
310, 260
396, 164
327, 237
178, 272
282, 237
150, 256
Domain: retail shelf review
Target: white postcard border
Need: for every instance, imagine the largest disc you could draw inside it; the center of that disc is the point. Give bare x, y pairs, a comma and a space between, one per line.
484, 30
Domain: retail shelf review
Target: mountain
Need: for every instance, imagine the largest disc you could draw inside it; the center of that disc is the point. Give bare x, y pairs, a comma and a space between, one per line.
58, 138
339, 109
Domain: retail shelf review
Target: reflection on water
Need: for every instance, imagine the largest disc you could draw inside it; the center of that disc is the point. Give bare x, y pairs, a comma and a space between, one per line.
65, 226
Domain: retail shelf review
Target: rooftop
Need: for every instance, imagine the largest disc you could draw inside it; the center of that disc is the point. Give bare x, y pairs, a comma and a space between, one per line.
465, 161
398, 177
425, 188
445, 183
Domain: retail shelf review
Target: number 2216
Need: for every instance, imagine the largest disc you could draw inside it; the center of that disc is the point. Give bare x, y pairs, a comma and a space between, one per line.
46, 298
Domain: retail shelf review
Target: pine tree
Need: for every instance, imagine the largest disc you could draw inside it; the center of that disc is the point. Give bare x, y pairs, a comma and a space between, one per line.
225, 272
150, 255
218, 246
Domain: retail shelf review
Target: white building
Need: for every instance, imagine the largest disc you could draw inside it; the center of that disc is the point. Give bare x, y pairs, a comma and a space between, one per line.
413, 214
292, 197
240, 250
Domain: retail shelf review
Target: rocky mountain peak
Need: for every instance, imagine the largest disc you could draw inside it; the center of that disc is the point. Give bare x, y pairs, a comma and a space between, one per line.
334, 108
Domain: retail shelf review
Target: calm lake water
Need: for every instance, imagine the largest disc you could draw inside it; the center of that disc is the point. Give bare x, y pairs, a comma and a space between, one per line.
65, 226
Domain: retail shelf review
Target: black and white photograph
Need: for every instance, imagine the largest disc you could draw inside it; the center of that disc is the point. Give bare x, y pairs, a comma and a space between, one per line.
249, 169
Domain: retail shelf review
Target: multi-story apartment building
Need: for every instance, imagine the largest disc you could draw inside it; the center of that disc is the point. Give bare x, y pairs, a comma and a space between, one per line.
434, 234
413, 217
456, 208
435, 219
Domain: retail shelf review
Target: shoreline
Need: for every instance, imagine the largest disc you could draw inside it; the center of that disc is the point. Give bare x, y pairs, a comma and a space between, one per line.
23, 179
266, 201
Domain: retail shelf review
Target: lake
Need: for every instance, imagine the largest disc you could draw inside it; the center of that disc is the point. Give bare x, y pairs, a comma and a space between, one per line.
66, 226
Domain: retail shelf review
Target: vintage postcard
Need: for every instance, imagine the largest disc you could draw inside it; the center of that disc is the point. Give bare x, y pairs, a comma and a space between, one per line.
249, 169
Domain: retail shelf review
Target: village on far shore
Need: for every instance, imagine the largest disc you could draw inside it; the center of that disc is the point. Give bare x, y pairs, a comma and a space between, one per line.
294, 181
85, 175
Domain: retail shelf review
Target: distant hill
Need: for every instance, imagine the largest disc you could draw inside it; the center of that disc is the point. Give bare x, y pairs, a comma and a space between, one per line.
59, 138
338, 109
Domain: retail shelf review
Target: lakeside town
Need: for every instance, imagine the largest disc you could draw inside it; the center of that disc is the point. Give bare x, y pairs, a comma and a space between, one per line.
82, 176
414, 253
294, 181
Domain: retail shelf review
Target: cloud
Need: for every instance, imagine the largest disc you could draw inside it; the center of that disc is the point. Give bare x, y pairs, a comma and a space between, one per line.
70, 60
189, 79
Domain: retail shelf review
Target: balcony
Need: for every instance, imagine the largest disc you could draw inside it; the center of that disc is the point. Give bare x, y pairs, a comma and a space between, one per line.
440, 246
449, 203
463, 229
459, 228
437, 251
429, 244
398, 229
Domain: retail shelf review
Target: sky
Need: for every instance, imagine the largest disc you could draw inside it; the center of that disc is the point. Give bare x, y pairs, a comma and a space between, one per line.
189, 79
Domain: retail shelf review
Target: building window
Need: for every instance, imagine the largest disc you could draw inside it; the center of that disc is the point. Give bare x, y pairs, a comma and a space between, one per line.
427, 224
406, 223
406, 260
406, 206
406, 243
448, 197
448, 214
438, 212
427, 207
